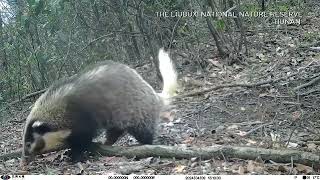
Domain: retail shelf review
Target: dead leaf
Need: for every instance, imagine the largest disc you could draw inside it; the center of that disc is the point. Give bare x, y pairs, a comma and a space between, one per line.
251, 142
232, 127
226, 166
207, 165
130, 169
275, 139
261, 56
219, 129
213, 75
169, 124
189, 140
168, 116
179, 168
10, 162
283, 168
108, 159
293, 145
242, 133
241, 170
312, 147
263, 94
60, 155
150, 160
303, 169
250, 166
178, 120
194, 164
296, 115
254, 167
215, 63
23, 164
291, 45
194, 159
302, 134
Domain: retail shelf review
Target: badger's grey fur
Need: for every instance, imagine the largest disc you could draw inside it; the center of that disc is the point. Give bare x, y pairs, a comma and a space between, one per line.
111, 96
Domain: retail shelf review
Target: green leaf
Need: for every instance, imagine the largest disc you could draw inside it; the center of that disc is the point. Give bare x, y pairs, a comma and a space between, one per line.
220, 24
39, 6
25, 22
30, 2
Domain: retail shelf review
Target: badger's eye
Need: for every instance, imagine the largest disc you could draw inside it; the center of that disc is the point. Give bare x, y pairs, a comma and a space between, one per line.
28, 145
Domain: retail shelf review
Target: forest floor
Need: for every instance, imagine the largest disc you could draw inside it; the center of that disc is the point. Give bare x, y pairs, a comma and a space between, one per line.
277, 115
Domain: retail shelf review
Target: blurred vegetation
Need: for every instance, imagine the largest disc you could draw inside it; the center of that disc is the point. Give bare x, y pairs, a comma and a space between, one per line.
44, 40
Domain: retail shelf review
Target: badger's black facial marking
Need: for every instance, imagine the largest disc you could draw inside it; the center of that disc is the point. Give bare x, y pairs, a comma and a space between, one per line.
41, 127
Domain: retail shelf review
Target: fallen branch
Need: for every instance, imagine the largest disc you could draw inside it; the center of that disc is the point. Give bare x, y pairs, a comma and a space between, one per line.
308, 92
281, 156
257, 128
248, 85
179, 152
315, 48
314, 80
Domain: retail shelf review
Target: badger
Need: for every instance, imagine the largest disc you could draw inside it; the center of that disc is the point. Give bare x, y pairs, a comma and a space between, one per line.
110, 96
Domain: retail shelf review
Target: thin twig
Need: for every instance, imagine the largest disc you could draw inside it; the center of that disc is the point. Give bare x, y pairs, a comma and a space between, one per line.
257, 128
173, 31
246, 85
309, 92
94, 40
314, 80
315, 48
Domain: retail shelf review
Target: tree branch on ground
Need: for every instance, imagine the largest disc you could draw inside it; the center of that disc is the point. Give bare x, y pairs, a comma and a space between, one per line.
245, 85
314, 80
183, 152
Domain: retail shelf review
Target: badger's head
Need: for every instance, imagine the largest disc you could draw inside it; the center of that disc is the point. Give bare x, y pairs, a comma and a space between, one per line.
40, 137
44, 130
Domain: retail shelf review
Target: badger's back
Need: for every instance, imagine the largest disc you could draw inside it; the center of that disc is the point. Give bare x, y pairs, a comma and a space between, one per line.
110, 94
115, 95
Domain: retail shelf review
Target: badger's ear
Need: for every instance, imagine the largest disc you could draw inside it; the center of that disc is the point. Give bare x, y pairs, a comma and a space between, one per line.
41, 127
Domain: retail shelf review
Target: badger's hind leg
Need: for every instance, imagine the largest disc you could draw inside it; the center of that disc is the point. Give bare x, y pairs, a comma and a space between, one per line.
143, 134
113, 134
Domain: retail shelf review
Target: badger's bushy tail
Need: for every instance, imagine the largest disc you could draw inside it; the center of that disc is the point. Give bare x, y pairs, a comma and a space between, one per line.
169, 76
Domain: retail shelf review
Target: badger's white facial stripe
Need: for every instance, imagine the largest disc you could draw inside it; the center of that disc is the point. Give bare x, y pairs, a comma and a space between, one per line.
37, 124
54, 139
51, 140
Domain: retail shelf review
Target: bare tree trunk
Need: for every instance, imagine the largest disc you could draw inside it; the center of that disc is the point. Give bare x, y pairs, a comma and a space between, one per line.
144, 30
215, 34
125, 24
3, 56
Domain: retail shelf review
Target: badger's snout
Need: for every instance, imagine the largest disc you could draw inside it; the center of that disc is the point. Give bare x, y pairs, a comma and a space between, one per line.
27, 156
